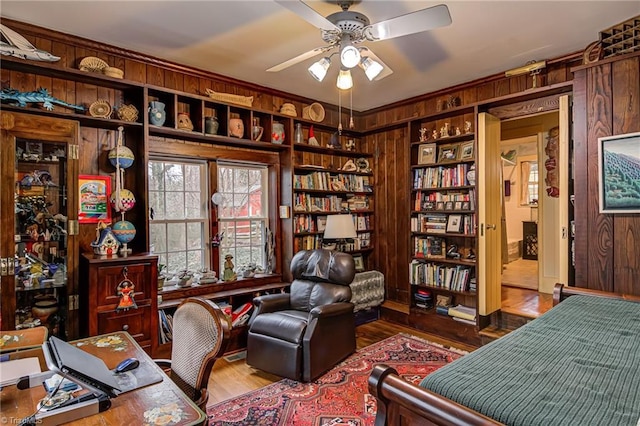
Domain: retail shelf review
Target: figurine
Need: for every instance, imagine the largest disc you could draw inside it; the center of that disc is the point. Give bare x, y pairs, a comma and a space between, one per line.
444, 131
434, 135
125, 291
106, 242
228, 274
458, 131
452, 253
20, 47
423, 134
350, 145
334, 142
467, 127
312, 139
39, 96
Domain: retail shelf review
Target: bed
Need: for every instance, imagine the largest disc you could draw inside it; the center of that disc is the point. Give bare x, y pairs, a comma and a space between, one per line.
577, 364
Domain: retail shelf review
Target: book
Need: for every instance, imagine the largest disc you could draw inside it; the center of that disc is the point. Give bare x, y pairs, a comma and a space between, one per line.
464, 312
465, 321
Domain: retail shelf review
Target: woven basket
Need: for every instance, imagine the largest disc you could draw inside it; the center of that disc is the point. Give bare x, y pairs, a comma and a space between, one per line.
232, 99
314, 112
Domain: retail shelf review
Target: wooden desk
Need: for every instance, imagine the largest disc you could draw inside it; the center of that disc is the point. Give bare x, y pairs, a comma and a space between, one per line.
143, 406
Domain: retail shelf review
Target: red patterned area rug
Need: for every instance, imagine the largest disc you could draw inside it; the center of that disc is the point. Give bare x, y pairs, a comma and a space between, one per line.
340, 397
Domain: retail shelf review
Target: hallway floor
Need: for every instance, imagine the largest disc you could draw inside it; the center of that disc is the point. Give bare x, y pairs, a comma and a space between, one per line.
521, 273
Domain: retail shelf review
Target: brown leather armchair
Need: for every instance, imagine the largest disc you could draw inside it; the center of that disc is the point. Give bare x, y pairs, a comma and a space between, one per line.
304, 333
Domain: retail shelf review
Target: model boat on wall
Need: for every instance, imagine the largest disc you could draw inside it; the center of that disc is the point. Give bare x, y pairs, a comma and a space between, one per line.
13, 44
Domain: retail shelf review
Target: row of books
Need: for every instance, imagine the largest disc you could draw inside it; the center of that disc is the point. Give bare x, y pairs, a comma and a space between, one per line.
439, 201
442, 223
304, 223
312, 242
331, 203
440, 177
450, 277
423, 298
325, 181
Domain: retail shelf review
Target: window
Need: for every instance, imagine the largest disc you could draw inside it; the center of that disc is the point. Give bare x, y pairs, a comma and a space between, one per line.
242, 214
178, 227
529, 176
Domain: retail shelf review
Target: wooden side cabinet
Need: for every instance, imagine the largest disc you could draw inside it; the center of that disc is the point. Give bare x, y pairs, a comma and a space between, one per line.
104, 307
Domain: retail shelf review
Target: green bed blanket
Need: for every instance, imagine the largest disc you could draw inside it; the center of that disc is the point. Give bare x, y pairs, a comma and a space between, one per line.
577, 364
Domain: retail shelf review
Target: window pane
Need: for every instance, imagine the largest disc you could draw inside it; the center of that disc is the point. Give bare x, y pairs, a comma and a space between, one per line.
156, 202
174, 178
194, 260
177, 262
194, 235
158, 237
193, 207
175, 201
240, 205
225, 209
156, 177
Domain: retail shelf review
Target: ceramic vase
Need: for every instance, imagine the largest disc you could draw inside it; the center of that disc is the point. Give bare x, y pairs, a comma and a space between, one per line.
236, 127
277, 133
211, 125
184, 122
256, 129
157, 114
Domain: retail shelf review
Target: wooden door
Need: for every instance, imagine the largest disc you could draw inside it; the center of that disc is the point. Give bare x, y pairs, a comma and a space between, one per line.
553, 231
489, 188
38, 167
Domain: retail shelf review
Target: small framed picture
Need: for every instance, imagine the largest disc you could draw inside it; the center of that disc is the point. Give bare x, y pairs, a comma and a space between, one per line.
358, 260
448, 153
454, 223
465, 205
466, 151
618, 173
428, 205
322, 223
93, 192
457, 205
427, 153
34, 148
448, 205
440, 205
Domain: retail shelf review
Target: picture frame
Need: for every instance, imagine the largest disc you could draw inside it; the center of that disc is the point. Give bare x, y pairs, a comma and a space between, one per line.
618, 173
427, 153
448, 153
454, 223
466, 151
358, 260
466, 205
440, 205
457, 205
93, 196
321, 223
448, 205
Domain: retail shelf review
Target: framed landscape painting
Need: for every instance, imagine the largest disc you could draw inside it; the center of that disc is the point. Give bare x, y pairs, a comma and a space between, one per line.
619, 173
94, 194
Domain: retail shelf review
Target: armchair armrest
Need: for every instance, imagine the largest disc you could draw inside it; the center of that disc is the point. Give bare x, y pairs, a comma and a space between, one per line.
331, 310
165, 364
270, 303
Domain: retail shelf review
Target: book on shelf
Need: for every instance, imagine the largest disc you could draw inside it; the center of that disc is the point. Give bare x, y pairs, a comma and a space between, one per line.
462, 311
464, 320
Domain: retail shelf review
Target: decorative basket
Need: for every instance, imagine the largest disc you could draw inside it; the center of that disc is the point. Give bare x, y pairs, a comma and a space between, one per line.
313, 112
288, 109
113, 72
128, 113
92, 64
100, 109
230, 98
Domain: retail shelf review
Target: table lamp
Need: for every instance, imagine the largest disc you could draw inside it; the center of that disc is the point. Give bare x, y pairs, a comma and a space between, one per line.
339, 228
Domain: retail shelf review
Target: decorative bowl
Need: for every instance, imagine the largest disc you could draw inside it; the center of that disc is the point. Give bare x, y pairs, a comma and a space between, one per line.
92, 64
100, 109
113, 72
128, 113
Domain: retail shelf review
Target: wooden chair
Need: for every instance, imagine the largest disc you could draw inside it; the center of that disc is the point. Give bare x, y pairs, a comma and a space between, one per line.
27, 338
200, 336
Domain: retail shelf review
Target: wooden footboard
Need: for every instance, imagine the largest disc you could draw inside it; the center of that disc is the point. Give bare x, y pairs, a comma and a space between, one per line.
402, 403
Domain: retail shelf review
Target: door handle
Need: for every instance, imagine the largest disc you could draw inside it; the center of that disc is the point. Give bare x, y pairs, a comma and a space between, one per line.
489, 226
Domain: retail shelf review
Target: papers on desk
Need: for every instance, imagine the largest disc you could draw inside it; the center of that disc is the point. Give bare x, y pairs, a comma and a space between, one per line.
11, 371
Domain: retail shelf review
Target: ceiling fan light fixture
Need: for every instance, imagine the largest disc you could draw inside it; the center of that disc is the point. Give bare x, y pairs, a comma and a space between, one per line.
371, 68
344, 81
349, 54
318, 69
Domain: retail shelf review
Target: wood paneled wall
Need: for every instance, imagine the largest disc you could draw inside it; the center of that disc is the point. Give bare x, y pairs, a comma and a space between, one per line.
606, 102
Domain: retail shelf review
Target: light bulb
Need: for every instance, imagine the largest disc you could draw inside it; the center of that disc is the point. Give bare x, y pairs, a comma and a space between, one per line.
349, 56
371, 68
344, 80
318, 69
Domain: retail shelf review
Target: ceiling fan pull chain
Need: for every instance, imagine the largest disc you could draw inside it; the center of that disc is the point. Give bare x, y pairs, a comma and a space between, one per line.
351, 124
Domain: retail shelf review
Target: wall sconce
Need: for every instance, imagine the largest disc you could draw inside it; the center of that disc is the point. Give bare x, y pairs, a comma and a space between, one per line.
532, 67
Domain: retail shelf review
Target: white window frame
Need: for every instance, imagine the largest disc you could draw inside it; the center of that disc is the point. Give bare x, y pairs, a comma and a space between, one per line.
229, 243
168, 255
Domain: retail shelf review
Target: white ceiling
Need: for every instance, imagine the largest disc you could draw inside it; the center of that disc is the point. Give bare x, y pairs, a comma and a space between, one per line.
241, 39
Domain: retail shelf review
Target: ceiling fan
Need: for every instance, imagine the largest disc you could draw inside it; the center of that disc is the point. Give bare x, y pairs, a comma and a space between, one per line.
346, 29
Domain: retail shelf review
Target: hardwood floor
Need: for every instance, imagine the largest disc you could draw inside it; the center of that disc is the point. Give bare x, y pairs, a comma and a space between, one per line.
233, 378
521, 273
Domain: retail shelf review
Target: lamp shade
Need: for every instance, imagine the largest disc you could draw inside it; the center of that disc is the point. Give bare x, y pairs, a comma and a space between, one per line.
339, 227
344, 81
371, 68
319, 68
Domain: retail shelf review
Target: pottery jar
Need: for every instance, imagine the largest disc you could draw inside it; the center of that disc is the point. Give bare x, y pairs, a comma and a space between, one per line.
277, 133
236, 127
157, 114
44, 307
256, 130
211, 125
184, 122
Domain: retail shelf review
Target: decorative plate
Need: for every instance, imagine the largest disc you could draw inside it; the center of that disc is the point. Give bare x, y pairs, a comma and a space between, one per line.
100, 109
92, 64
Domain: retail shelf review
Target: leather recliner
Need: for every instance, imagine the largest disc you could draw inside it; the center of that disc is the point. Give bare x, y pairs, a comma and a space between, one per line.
302, 334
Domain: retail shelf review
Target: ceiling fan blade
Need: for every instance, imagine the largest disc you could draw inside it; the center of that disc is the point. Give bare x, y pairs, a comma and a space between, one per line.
308, 14
386, 68
300, 58
414, 22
